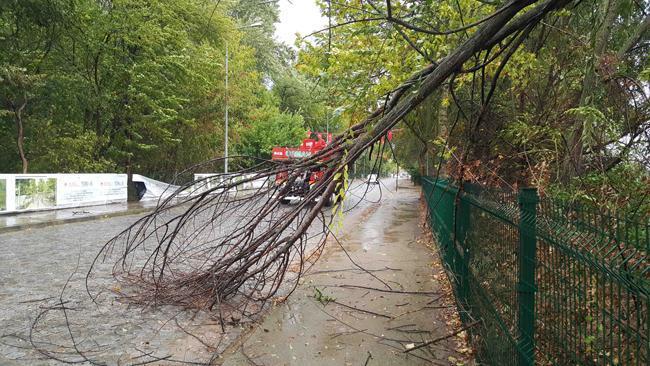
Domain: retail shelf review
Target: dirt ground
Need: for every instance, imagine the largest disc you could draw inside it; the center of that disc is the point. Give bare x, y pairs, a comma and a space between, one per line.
344, 315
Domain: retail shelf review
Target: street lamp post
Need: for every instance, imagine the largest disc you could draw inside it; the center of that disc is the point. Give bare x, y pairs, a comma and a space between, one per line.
225, 153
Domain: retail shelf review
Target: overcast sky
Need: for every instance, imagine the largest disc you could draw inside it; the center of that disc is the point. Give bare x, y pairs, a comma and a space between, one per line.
298, 16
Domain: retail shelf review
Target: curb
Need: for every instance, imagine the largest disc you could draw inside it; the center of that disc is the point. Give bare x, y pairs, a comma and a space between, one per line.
72, 220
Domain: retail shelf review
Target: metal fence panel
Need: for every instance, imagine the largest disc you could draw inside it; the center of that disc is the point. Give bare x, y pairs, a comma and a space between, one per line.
549, 283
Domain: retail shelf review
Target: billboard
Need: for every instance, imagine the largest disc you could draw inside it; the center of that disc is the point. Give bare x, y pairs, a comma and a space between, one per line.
83, 189
29, 192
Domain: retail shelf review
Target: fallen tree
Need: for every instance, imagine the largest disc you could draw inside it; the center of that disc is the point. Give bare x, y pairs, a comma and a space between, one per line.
186, 253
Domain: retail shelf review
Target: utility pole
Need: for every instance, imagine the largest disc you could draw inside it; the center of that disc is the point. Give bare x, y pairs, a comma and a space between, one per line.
225, 155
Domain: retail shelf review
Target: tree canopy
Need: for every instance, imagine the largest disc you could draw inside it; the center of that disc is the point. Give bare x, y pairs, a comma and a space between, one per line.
565, 110
132, 85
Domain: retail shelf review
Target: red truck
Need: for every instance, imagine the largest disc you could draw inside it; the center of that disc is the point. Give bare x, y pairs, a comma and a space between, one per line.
313, 144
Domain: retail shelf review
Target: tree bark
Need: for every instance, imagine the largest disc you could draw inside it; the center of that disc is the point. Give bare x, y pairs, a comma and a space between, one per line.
131, 193
574, 162
20, 138
636, 36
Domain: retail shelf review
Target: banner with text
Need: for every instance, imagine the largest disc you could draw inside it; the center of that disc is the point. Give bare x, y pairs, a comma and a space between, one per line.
28, 192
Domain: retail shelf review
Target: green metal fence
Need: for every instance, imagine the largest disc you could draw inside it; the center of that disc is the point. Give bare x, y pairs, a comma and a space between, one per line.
547, 283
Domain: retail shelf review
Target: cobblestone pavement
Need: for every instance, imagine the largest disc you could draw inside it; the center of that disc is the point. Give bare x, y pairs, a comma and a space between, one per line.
21, 221
35, 264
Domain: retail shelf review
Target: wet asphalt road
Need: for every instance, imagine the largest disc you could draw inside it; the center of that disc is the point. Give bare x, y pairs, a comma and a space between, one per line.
342, 315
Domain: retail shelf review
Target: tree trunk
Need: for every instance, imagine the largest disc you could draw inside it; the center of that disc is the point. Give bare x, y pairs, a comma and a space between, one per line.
20, 139
574, 163
131, 193
422, 161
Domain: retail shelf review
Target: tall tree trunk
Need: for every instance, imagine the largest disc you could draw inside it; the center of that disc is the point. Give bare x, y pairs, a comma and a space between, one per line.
422, 161
20, 139
638, 34
131, 193
574, 163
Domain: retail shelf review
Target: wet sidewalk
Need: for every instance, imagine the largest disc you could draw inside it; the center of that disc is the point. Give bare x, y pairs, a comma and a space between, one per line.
398, 310
28, 220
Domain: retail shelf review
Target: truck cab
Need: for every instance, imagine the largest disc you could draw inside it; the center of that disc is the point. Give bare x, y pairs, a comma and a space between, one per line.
299, 189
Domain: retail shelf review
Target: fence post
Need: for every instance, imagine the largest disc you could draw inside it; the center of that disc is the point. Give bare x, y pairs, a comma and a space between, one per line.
461, 245
526, 287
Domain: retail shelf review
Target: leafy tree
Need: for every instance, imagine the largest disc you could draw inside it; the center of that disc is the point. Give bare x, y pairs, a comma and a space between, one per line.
300, 95
126, 85
568, 117
268, 128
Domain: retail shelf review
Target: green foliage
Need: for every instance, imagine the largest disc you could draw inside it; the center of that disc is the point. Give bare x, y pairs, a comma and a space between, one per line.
3, 194
645, 75
321, 298
569, 110
73, 154
267, 128
625, 187
523, 132
299, 95
342, 180
258, 20
592, 121
140, 84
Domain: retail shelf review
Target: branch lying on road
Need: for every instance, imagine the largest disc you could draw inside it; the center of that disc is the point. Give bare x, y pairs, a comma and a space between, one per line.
186, 253
434, 341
